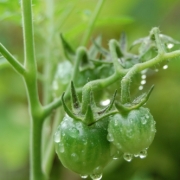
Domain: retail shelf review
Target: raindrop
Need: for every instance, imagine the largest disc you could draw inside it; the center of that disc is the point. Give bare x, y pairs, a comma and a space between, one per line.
128, 157
61, 147
140, 88
147, 116
169, 46
153, 129
105, 102
143, 76
74, 156
84, 141
143, 154
96, 176
84, 176
110, 137
115, 122
136, 155
116, 156
118, 145
143, 120
57, 137
97, 170
129, 133
131, 120
144, 71
74, 132
143, 81
165, 66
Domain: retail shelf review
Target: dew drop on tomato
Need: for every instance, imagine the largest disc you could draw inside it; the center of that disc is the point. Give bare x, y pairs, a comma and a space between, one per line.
57, 137
143, 154
128, 157
96, 176
110, 137
61, 147
84, 176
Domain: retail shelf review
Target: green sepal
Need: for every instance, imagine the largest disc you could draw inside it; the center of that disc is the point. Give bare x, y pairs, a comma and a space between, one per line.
100, 48
109, 107
75, 101
89, 116
68, 111
85, 63
93, 51
92, 101
68, 50
142, 99
138, 102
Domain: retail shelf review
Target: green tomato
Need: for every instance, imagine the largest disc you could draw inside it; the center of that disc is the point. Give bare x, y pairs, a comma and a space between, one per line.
133, 132
81, 148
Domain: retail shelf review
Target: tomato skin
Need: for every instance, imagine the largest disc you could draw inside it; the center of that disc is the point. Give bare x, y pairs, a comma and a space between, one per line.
132, 132
81, 148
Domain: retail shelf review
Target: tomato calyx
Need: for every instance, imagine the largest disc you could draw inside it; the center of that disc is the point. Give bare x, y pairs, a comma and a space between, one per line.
136, 103
92, 114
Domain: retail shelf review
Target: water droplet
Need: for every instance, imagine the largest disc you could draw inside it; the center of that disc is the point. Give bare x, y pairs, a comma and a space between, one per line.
110, 137
84, 176
74, 132
147, 116
127, 157
170, 45
61, 147
143, 120
116, 156
98, 170
74, 156
115, 122
153, 128
143, 154
84, 141
105, 102
141, 88
165, 66
143, 82
143, 76
144, 71
96, 176
57, 137
136, 155
118, 145
129, 132
131, 120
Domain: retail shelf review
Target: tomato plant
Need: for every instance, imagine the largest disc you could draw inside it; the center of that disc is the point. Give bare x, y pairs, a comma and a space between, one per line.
93, 132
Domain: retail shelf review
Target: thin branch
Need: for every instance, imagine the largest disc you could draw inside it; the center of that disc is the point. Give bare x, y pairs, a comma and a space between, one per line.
12, 60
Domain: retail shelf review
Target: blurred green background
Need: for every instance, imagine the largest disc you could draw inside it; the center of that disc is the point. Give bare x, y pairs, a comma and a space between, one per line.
136, 18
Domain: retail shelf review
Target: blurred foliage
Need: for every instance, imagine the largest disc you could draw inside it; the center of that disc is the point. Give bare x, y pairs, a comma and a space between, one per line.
136, 18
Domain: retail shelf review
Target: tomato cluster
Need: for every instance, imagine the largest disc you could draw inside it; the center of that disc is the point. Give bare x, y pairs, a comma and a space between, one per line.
88, 138
87, 142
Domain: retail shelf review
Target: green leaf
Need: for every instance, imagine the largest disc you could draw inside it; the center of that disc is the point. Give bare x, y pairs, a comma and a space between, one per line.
68, 50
